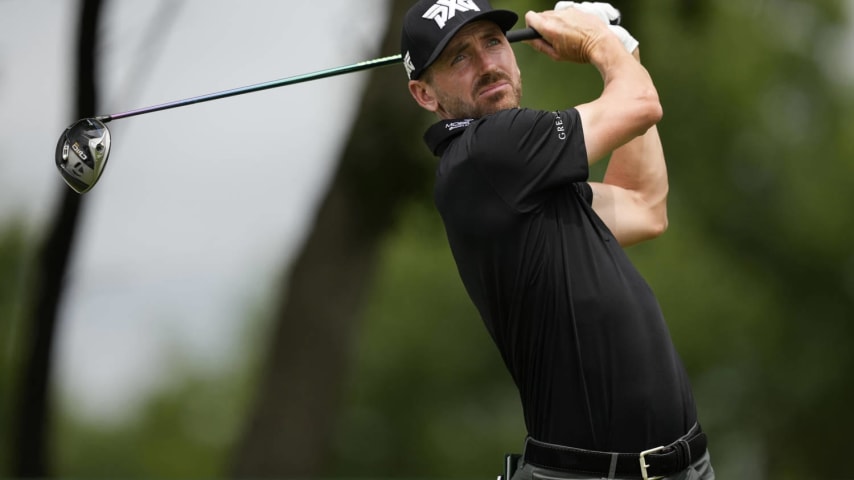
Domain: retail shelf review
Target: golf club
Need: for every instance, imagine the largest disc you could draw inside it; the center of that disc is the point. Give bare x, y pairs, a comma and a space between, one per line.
84, 147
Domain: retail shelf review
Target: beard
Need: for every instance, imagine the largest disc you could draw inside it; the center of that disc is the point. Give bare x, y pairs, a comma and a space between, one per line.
457, 107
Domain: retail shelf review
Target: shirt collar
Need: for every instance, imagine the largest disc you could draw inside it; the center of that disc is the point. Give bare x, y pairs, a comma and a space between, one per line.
439, 135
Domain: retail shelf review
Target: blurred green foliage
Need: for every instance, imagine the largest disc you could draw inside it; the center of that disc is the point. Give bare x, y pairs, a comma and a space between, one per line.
184, 431
755, 276
15, 260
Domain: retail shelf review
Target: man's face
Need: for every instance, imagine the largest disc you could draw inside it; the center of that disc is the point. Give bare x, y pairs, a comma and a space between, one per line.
475, 75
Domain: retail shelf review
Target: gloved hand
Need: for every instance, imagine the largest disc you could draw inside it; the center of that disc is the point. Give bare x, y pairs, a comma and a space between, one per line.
605, 11
608, 14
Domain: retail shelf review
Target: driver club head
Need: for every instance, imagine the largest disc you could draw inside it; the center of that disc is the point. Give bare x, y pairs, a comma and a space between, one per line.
82, 153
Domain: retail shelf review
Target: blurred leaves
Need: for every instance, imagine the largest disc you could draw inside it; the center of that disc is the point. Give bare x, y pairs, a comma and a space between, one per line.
186, 429
16, 257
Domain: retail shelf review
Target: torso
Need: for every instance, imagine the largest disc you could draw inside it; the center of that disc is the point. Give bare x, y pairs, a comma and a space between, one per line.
577, 326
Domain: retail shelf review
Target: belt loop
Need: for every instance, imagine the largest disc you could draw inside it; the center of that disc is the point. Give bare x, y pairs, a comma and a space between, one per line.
612, 472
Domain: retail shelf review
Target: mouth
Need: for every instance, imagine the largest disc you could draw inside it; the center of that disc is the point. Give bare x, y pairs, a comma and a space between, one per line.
493, 88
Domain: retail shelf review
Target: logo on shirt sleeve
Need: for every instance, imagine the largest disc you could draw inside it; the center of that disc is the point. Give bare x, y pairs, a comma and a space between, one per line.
560, 128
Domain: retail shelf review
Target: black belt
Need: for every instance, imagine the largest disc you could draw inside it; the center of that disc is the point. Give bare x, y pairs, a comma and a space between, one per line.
653, 463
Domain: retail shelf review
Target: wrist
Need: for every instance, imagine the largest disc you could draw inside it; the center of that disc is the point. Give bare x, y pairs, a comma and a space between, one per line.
608, 50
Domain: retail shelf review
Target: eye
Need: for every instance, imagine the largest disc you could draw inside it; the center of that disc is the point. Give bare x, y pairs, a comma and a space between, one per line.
493, 42
457, 59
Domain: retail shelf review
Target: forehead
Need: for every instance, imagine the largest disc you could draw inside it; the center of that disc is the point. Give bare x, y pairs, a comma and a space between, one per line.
475, 29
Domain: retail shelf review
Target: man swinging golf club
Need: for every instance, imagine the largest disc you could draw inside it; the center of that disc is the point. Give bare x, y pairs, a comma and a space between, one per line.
539, 247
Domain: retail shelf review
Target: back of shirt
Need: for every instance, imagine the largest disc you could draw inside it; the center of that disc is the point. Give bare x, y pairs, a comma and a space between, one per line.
577, 326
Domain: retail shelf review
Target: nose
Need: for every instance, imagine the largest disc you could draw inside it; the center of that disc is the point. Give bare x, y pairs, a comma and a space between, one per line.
485, 60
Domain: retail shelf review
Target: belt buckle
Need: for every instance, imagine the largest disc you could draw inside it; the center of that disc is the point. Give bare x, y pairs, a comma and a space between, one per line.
643, 464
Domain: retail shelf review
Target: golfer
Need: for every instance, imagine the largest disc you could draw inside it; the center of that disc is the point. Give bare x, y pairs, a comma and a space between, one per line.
539, 247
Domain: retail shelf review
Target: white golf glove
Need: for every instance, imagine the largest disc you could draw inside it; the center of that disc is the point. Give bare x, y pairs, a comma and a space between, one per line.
609, 15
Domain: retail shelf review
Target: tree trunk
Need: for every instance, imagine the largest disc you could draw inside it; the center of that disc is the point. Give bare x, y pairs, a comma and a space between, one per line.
382, 166
30, 455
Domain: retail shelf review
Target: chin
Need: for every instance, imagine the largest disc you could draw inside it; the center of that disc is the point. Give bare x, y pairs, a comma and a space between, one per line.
503, 104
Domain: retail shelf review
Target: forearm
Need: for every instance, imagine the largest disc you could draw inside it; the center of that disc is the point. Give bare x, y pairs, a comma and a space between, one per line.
628, 106
639, 166
632, 198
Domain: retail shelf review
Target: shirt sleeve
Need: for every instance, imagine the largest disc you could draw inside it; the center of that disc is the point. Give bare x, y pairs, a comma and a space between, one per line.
586, 191
527, 154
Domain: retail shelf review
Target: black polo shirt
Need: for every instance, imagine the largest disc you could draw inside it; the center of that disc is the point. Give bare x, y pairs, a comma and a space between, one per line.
577, 326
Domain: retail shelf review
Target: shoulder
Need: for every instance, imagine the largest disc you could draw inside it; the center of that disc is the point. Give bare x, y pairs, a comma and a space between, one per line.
512, 131
523, 122
520, 118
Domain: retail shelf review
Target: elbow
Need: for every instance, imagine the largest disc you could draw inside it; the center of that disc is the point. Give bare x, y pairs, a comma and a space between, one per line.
656, 112
653, 227
658, 221
646, 108
650, 230
655, 220
658, 226
651, 108
650, 223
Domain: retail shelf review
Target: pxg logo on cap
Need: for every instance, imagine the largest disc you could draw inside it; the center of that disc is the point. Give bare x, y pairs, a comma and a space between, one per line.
430, 24
443, 10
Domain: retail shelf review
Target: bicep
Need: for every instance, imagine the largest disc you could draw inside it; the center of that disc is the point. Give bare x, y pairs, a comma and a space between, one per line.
604, 129
625, 214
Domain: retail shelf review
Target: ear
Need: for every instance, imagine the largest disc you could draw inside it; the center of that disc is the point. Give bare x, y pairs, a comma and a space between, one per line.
423, 94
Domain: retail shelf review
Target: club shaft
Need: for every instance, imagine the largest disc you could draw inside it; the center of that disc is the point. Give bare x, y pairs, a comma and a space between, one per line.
379, 62
512, 36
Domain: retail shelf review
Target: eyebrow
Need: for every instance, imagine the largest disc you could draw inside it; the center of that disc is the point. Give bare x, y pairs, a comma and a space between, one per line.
457, 46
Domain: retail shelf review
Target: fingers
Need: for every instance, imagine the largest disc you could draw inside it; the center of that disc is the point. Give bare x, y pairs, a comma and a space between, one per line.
568, 34
544, 47
534, 20
572, 30
608, 14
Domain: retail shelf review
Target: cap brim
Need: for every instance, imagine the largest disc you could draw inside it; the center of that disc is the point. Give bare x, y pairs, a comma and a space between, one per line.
505, 19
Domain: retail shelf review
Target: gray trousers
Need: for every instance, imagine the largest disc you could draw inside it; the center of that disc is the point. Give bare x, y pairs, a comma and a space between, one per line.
699, 470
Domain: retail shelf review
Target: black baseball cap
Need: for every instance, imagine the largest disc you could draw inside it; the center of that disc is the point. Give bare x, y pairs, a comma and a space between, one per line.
430, 24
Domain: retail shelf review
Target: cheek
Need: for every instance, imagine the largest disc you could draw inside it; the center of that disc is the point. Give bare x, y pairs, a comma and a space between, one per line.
458, 86
509, 61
